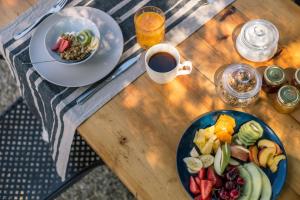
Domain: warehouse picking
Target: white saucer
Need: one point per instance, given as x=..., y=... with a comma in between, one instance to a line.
x=100, y=65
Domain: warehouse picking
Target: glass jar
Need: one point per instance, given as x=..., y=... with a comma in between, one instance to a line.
x=239, y=85
x=258, y=40
x=287, y=99
x=296, y=79
x=274, y=78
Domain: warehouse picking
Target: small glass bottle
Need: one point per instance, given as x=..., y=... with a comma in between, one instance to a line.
x=296, y=79
x=287, y=99
x=274, y=78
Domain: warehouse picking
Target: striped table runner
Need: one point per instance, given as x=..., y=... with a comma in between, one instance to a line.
x=55, y=105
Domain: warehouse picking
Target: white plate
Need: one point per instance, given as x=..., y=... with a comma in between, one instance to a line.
x=102, y=63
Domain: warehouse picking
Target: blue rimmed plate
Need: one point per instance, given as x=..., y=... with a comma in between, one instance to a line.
x=186, y=144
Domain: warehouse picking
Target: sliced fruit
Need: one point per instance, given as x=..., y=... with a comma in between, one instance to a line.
x=256, y=180
x=207, y=149
x=206, y=188
x=209, y=132
x=253, y=129
x=202, y=174
x=217, y=161
x=212, y=176
x=276, y=160
x=224, y=136
x=224, y=128
x=226, y=119
x=263, y=143
x=247, y=188
x=234, y=162
x=195, y=164
x=198, y=181
x=265, y=154
x=207, y=160
x=94, y=43
x=245, y=141
x=250, y=132
x=199, y=139
x=253, y=154
x=266, y=191
x=216, y=145
x=239, y=152
x=194, y=153
x=57, y=44
x=192, y=171
x=248, y=138
x=225, y=157
x=193, y=186
x=64, y=45
x=236, y=140
x=85, y=37
x=270, y=161
x=226, y=148
x=198, y=197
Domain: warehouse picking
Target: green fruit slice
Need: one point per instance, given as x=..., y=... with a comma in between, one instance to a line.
x=244, y=141
x=227, y=150
x=84, y=38
x=247, y=141
x=256, y=180
x=217, y=161
x=234, y=162
x=236, y=140
x=266, y=192
x=247, y=188
x=88, y=32
x=225, y=157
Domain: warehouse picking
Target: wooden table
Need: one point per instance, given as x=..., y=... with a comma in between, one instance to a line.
x=138, y=131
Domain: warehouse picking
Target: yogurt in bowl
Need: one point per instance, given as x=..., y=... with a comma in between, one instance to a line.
x=72, y=40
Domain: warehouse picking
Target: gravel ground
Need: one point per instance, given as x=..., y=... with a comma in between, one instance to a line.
x=99, y=184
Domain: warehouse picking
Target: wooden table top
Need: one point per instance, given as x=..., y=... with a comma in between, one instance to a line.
x=138, y=131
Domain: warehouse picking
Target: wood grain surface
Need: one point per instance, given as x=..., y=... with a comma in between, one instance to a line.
x=137, y=132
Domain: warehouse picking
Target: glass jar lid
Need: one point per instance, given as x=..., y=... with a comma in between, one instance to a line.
x=288, y=95
x=297, y=76
x=241, y=81
x=274, y=75
x=259, y=34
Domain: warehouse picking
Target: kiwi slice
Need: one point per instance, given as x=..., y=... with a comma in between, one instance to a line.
x=84, y=37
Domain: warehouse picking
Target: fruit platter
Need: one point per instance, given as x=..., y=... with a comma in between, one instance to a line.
x=231, y=155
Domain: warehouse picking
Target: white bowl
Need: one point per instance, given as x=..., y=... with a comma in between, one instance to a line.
x=69, y=24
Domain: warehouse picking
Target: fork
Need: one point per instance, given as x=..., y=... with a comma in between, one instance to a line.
x=55, y=8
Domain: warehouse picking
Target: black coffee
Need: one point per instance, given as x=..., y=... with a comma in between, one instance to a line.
x=162, y=62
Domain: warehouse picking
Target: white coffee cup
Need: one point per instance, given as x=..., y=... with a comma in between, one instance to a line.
x=184, y=68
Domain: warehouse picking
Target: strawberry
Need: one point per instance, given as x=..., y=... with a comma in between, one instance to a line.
x=200, y=198
x=212, y=176
x=64, y=45
x=56, y=46
x=206, y=188
x=202, y=174
x=193, y=186
x=208, y=198
x=198, y=181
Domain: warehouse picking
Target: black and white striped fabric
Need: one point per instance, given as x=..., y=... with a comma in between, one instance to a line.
x=55, y=105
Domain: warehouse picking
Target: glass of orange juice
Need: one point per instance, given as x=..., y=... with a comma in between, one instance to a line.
x=149, y=24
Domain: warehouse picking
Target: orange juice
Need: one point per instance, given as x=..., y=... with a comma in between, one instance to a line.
x=149, y=26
